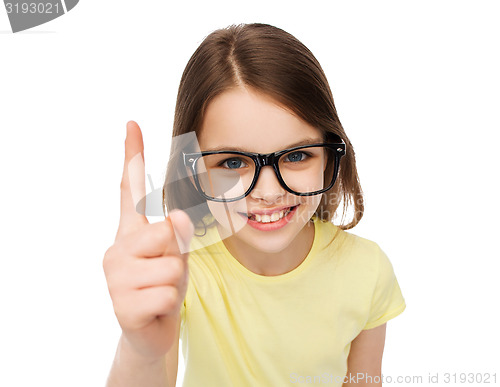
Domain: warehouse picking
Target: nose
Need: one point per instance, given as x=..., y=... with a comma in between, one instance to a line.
x=267, y=187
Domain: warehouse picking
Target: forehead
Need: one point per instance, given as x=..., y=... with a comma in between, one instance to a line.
x=243, y=118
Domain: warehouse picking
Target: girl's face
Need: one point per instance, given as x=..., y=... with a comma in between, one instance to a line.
x=242, y=119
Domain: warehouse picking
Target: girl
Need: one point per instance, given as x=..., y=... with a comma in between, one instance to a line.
x=277, y=294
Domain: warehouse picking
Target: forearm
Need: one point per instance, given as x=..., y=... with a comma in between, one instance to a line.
x=132, y=370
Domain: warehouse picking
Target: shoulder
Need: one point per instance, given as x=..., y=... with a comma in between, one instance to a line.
x=359, y=259
x=347, y=246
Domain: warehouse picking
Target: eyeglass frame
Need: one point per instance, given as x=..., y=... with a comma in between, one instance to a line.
x=261, y=160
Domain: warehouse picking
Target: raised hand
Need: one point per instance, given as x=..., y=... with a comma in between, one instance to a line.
x=145, y=270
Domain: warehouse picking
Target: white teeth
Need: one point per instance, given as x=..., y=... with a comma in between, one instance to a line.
x=275, y=216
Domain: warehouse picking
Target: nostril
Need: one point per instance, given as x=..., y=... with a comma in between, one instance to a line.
x=267, y=187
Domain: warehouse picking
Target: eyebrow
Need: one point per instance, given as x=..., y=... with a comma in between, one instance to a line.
x=307, y=141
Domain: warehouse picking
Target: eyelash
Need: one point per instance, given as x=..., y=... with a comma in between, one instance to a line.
x=306, y=154
x=221, y=164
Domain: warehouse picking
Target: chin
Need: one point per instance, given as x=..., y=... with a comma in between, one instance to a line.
x=262, y=246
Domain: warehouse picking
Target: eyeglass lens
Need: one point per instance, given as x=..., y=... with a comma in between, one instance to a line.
x=227, y=176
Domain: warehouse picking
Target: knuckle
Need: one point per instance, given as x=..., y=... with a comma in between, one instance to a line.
x=112, y=291
x=126, y=319
x=116, y=271
x=127, y=312
x=118, y=307
x=112, y=256
x=169, y=299
x=157, y=235
x=114, y=288
x=176, y=269
x=107, y=261
x=166, y=229
x=124, y=185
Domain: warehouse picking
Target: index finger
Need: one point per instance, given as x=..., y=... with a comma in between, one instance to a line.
x=132, y=186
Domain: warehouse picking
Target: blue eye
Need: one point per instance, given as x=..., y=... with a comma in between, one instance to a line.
x=296, y=156
x=233, y=163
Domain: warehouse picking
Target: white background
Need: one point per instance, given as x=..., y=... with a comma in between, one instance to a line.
x=416, y=85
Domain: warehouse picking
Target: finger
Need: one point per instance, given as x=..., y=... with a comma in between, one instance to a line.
x=183, y=229
x=161, y=300
x=151, y=240
x=132, y=186
x=143, y=273
x=172, y=236
x=147, y=304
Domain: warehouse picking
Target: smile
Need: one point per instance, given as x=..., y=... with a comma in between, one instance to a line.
x=274, y=220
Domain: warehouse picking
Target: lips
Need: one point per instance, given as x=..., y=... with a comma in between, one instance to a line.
x=264, y=213
x=273, y=222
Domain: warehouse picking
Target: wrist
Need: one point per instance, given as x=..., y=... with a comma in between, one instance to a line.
x=127, y=352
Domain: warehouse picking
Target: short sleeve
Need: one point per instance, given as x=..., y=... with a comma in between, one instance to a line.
x=183, y=314
x=183, y=309
x=387, y=301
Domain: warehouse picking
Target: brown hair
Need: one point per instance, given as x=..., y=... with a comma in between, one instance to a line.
x=273, y=62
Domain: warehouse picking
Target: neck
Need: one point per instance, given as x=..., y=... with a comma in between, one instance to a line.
x=272, y=263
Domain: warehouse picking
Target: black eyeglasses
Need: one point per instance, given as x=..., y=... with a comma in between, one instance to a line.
x=225, y=176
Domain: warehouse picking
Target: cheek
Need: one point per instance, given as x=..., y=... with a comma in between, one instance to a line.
x=225, y=214
x=309, y=205
x=311, y=202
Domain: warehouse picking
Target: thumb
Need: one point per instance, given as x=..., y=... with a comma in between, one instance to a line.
x=183, y=228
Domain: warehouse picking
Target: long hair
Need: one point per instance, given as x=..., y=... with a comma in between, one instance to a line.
x=273, y=62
